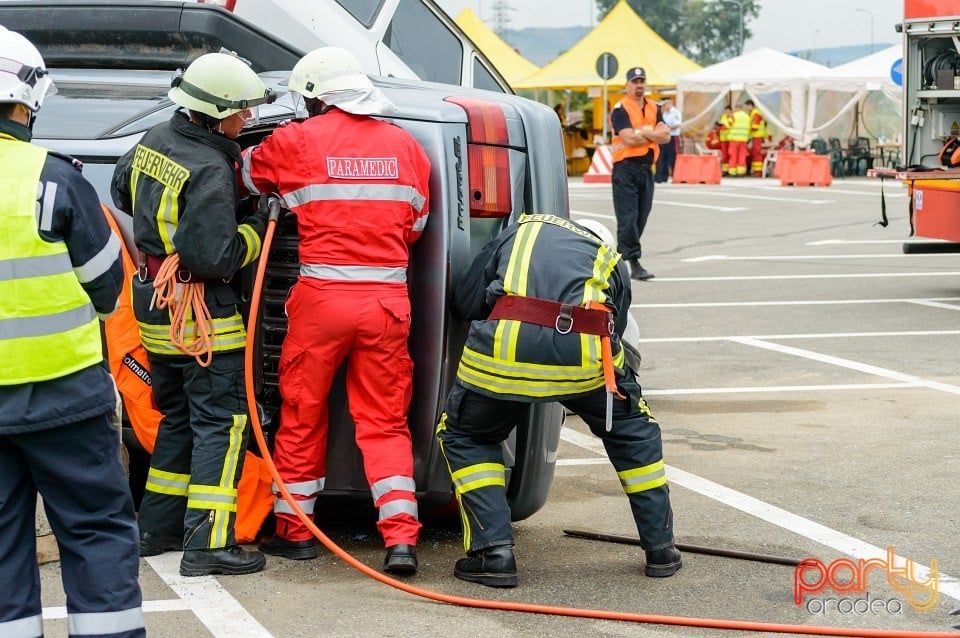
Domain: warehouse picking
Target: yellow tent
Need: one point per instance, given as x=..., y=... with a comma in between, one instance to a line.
x=624, y=34
x=511, y=65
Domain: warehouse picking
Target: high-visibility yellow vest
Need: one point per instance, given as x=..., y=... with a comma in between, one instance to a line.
x=48, y=326
x=758, y=124
x=740, y=129
x=726, y=121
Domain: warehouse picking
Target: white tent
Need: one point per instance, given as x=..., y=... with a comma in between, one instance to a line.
x=861, y=91
x=776, y=82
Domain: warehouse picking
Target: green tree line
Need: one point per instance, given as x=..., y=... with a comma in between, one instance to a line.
x=706, y=31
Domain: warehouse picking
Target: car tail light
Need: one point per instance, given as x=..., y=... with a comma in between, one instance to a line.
x=226, y=4
x=488, y=157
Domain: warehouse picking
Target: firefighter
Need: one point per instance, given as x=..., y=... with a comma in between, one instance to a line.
x=59, y=271
x=359, y=189
x=541, y=330
x=180, y=185
x=758, y=135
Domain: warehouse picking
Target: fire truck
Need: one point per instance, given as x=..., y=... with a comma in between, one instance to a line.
x=931, y=134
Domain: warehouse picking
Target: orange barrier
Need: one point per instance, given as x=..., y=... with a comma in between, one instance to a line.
x=696, y=169
x=601, y=168
x=784, y=154
x=804, y=169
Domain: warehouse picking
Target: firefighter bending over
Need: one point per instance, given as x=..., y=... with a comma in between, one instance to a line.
x=59, y=269
x=180, y=185
x=358, y=187
x=544, y=329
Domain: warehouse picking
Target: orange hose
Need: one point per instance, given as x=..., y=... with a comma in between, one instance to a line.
x=185, y=300
x=738, y=625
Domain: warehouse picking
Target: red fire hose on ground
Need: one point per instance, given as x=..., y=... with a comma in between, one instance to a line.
x=596, y=614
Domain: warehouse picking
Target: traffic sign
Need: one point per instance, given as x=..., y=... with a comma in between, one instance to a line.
x=896, y=72
x=607, y=65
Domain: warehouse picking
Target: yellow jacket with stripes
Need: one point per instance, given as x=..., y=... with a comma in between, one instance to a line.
x=547, y=257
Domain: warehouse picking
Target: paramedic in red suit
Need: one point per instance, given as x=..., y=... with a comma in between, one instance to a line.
x=358, y=187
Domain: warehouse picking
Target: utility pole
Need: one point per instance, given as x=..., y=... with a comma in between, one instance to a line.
x=869, y=13
x=501, y=16
x=739, y=4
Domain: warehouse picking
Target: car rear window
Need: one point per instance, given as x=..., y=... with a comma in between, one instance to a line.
x=96, y=109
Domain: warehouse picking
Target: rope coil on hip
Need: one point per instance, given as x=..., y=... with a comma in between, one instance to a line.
x=185, y=300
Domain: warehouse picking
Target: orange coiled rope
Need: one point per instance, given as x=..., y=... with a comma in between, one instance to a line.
x=185, y=300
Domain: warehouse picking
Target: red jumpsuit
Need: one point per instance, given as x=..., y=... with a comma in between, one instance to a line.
x=358, y=187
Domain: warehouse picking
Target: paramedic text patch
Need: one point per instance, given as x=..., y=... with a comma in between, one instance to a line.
x=362, y=167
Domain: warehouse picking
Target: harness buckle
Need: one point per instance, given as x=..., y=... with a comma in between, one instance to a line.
x=142, y=272
x=564, y=322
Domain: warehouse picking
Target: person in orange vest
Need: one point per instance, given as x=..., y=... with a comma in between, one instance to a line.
x=723, y=126
x=758, y=134
x=639, y=129
x=738, y=137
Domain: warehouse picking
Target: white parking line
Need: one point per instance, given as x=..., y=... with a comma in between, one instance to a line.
x=771, y=514
x=818, y=302
x=828, y=242
x=722, y=209
x=804, y=335
x=213, y=605
x=792, y=257
x=660, y=280
x=784, y=388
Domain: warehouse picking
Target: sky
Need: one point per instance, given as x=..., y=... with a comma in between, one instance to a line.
x=785, y=25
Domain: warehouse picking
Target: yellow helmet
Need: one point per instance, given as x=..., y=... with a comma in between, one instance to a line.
x=219, y=85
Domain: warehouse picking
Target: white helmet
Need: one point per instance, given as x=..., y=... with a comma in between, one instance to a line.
x=219, y=85
x=24, y=78
x=599, y=230
x=327, y=70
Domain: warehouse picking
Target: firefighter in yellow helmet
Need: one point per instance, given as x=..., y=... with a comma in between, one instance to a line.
x=60, y=273
x=180, y=185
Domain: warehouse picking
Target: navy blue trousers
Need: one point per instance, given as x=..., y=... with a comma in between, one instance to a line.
x=76, y=469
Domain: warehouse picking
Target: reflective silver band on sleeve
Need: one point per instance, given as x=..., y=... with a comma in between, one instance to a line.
x=101, y=262
x=245, y=175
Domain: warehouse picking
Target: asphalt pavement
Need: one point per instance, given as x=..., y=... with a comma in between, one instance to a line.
x=805, y=375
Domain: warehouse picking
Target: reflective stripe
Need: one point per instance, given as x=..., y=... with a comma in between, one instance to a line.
x=351, y=192
x=19, y=327
x=167, y=482
x=105, y=622
x=46, y=209
x=398, y=507
x=643, y=478
x=420, y=224
x=280, y=506
x=101, y=262
x=480, y=475
x=303, y=488
x=31, y=627
x=253, y=242
x=354, y=273
x=40, y=266
x=392, y=483
x=245, y=175
x=211, y=497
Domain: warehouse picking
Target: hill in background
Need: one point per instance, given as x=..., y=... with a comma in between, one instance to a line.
x=542, y=45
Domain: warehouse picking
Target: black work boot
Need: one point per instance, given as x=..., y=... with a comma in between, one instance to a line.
x=662, y=563
x=230, y=561
x=294, y=550
x=401, y=560
x=152, y=544
x=638, y=272
x=493, y=567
